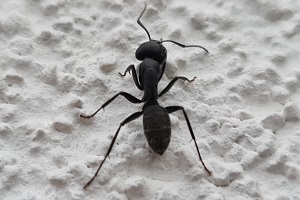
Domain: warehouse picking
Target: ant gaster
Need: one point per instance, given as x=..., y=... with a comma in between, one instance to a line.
x=156, y=120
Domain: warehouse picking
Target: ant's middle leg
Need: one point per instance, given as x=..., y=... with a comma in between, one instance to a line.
x=173, y=82
x=172, y=109
x=128, y=119
x=129, y=97
x=134, y=76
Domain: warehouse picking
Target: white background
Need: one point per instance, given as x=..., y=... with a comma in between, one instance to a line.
x=59, y=59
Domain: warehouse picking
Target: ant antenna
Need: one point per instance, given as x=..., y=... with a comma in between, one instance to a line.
x=140, y=23
x=184, y=46
x=181, y=45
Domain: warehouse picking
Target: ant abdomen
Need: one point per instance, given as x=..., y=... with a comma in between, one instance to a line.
x=152, y=49
x=157, y=128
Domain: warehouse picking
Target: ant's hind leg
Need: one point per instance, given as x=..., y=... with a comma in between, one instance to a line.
x=134, y=76
x=128, y=119
x=172, y=109
x=173, y=82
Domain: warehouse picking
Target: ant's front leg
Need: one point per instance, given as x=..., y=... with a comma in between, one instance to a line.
x=134, y=76
x=173, y=82
x=162, y=70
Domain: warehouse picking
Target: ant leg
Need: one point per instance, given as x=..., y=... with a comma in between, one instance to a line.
x=130, y=67
x=162, y=70
x=134, y=76
x=173, y=82
x=129, y=97
x=171, y=109
x=128, y=119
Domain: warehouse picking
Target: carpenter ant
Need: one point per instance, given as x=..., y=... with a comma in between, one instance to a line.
x=152, y=49
x=156, y=120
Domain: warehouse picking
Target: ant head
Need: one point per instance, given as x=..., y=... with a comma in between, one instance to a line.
x=152, y=49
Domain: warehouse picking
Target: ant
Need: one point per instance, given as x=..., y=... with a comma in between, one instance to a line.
x=156, y=120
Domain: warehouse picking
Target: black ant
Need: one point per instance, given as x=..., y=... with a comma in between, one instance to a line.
x=156, y=120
